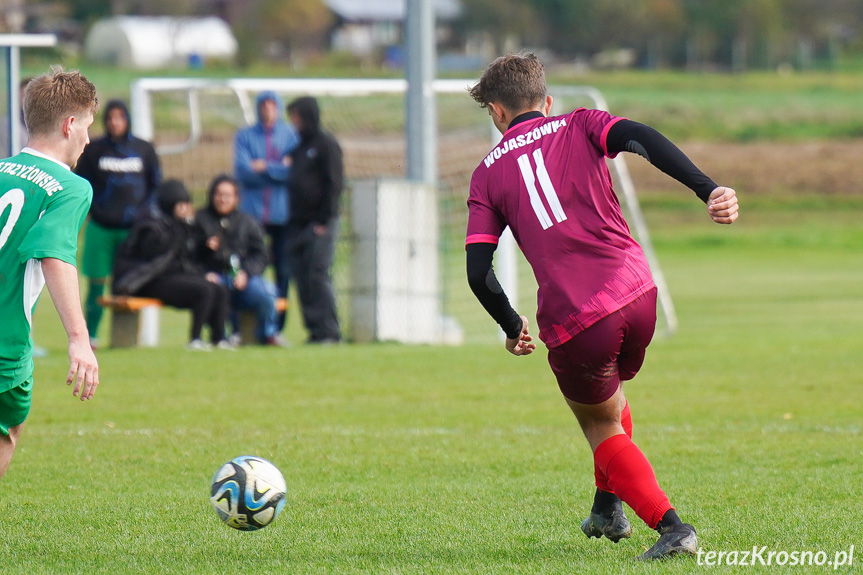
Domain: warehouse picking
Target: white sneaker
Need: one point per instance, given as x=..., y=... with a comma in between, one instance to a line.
x=198, y=345
x=225, y=345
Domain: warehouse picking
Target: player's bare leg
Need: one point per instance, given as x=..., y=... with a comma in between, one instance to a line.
x=7, y=446
x=607, y=517
x=630, y=476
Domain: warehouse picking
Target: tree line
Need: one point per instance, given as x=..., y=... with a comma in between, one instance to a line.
x=725, y=34
x=731, y=34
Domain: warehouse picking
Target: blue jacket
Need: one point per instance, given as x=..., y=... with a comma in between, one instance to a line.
x=265, y=195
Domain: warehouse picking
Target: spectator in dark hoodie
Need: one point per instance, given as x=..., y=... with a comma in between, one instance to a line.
x=261, y=166
x=159, y=259
x=124, y=172
x=234, y=253
x=316, y=182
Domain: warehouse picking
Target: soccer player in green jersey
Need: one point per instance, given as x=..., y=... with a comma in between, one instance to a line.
x=42, y=207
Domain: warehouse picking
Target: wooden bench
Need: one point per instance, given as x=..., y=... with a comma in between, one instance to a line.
x=135, y=320
x=247, y=323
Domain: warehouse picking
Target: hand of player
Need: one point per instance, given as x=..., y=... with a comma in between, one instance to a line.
x=722, y=205
x=213, y=243
x=83, y=369
x=259, y=166
x=522, y=344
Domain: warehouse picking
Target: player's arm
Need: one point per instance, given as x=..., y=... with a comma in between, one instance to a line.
x=486, y=288
x=62, y=281
x=629, y=136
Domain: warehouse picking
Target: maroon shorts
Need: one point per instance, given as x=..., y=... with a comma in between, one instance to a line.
x=590, y=366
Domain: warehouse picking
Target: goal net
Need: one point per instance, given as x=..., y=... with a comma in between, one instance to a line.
x=192, y=123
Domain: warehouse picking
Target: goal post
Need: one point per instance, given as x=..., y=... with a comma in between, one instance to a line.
x=11, y=136
x=192, y=121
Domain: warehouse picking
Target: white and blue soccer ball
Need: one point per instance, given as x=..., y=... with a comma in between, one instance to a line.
x=248, y=493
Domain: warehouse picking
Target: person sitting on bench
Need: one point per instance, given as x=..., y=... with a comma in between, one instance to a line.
x=234, y=252
x=159, y=260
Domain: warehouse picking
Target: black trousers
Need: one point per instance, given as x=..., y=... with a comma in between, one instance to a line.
x=281, y=265
x=207, y=301
x=311, y=258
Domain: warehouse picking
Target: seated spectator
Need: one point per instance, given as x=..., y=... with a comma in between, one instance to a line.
x=234, y=253
x=159, y=260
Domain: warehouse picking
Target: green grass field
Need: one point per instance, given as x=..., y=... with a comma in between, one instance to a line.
x=465, y=460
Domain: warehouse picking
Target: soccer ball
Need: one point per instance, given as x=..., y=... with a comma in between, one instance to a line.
x=248, y=493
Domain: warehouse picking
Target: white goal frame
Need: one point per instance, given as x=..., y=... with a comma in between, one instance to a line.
x=10, y=46
x=245, y=90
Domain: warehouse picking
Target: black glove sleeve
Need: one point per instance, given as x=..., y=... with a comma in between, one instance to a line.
x=484, y=284
x=629, y=136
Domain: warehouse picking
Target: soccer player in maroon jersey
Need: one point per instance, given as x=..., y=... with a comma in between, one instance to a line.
x=548, y=181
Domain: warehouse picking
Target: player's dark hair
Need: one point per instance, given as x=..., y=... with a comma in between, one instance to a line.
x=51, y=98
x=515, y=81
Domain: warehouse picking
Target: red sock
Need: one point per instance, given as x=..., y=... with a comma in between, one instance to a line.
x=631, y=477
x=601, y=479
x=626, y=422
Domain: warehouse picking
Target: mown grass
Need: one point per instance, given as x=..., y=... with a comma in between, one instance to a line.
x=403, y=459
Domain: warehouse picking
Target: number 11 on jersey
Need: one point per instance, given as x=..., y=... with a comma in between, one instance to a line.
x=530, y=179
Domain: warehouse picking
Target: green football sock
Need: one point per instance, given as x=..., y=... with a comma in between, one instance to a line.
x=92, y=307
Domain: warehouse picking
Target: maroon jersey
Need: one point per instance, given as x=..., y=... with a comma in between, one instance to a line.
x=548, y=181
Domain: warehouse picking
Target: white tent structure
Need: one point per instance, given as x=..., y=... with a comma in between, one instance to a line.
x=154, y=42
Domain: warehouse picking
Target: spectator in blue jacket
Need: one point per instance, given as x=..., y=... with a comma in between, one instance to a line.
x=261, y=165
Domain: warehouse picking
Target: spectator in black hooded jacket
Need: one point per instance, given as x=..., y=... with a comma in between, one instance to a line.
x=160, y=259
x=316, y=181
x=124, y=172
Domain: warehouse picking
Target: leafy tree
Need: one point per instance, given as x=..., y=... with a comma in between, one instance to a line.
x=88, y=11
x=501, y=20
x=569, y=26
x=664, y=26
x=300, y=25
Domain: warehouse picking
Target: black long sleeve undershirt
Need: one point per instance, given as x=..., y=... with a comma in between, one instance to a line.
x=629, y=136
x=484, y=284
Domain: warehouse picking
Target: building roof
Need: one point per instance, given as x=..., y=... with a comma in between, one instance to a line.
x=387, y=10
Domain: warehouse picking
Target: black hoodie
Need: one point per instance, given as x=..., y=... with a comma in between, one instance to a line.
x=317, y=173
x=124, y=173
x=158, y=244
